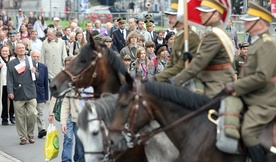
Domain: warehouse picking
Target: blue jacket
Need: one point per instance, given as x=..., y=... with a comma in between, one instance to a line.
x=42, y=83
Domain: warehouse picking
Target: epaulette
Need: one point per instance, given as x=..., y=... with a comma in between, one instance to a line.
x=179, y=32
x=208, y=29
x=266, y=37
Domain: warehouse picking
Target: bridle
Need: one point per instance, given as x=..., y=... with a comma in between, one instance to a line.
x=78, y=77
x=131, y=137
x=106, y=149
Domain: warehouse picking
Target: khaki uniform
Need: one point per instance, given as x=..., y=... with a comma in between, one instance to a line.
x=239, y=62
x=256, y=87
x=210, y=52
x=176, y=63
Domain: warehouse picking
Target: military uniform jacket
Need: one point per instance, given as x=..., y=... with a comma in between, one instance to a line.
x=210, y=52
x=176, y=63
x=255, y=86
x=239, y=62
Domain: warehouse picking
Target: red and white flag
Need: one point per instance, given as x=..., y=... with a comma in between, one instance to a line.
x=20, y=68
x=194, y=15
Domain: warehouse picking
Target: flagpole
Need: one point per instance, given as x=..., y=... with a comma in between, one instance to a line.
x=186, y=31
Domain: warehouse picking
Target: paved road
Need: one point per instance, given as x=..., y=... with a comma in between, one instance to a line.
x=11, y=151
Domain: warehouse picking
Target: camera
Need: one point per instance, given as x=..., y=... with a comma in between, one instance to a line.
x=133, y=64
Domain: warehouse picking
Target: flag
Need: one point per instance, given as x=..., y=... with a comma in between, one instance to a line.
x=20, y=68
x=194, y=15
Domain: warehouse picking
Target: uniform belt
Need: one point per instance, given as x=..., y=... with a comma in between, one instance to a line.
x=218, y=67
x=272, y=79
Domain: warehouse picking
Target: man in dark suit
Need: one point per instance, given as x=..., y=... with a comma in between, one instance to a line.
x=150, y=28
x=22, y=89
x=119, y=36
x=5, y=18
x=42, y=92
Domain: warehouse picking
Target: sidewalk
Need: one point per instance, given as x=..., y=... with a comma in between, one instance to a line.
x=7, y=158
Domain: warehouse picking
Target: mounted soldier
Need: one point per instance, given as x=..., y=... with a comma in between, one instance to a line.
x=257, y=85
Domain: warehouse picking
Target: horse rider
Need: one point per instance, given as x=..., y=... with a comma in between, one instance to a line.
x=176, y=63
x=241, y=58
x=212, y=63
x=257, y=85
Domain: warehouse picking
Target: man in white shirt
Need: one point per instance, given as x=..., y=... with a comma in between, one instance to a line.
x=36, y=43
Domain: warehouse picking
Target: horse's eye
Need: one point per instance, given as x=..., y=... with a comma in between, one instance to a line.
x=94, y=133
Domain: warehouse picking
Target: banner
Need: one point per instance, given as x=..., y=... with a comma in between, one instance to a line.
x=194, y=15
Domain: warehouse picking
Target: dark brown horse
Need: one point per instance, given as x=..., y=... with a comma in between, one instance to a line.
x=95, y=66
x=139, y=103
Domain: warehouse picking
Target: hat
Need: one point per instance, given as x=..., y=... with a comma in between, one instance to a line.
x=12, y=33
x=149, y=23
x=56, y=19
x=98, y=37
x=211, y=6
x=256, y=12
x=106, y=39
x=173, y=8
x=148, y=16
x=122, y=20
x=158, y=46
x=169, y=35
x=19, y=10
x=127, y=57
x=243, y=44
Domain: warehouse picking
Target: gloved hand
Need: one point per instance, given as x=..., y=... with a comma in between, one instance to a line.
x=229, y=88
x=170, y=81
x=187, y=56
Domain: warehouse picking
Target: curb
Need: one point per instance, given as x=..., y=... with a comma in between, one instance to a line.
x=7, y=158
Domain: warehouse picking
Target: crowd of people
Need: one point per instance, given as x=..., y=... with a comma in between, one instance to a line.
x=33, y=53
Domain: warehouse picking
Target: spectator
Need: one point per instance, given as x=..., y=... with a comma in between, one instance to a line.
x=36, y=43
x=127, y=62
x=141, y=41
x=7, y=104
x=108, y=25
x=170, y=41
x=98, y=26
x=53, y=53
x=3, y=40
x=32, y=19
x=78, y=43
x=108, y=42
x=66, y=38
x=161, y=60
x=142, y=31
x=40, y=25
x=24, y=32
x=56, y=22
x=27, y=44
x=5, y=29
x=141, y=64
x=5, y=18
x=232, y=33
x=73, y=26
x=150, y=46
x=11, y=25
x=131, y=46
x=88, y=30
x=131, y=22
x=21, y=88
x=119, y=36
x=150, y=29
x=12, y=41
x=19, y=19
x=42, y=92
x=160, y=37
x=115, y=26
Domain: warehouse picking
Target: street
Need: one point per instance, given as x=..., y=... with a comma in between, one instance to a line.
x=30, y=152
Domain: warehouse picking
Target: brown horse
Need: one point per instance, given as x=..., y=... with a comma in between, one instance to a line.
x=95, y=66
x=139, y=103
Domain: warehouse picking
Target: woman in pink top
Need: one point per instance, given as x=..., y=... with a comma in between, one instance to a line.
x=24, y=31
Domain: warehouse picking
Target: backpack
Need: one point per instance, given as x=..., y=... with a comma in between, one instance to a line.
x=57, y=108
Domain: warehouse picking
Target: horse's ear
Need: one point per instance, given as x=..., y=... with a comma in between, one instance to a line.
x=92, y=42
x=129, y=79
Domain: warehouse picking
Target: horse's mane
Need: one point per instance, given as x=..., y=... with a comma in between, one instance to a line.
x=177, y=95
x=105, y=107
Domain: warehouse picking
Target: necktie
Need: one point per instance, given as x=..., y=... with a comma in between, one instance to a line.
x=123, y=34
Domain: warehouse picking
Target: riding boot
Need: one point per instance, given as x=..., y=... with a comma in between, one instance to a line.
x=257, y=153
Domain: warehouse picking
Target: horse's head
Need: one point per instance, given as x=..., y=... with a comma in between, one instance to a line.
x=84, y=70
x=93, y=134
x=131, y=114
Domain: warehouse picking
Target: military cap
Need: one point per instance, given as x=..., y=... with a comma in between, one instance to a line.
x=211, y=6
x=127, y=58
x=256, y=12
x=98, y=37
x=173, y=8
x=148, y=16
x=12, y=33
x=243, y=44
x=106, y=39
x=149, y=23
x=121, y=20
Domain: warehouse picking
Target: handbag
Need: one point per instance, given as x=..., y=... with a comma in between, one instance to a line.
x=57, y=108
x=51, y=145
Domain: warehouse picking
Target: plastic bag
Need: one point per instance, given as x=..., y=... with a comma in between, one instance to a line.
x=51, y=145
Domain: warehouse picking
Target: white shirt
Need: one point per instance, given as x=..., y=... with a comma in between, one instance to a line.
x=36, y=45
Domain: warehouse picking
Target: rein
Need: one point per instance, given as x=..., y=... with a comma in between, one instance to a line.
x=78, y=77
